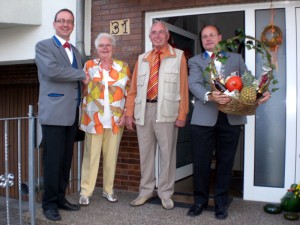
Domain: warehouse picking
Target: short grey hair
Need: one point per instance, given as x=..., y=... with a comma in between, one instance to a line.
x=160, y=22
x=105, y=35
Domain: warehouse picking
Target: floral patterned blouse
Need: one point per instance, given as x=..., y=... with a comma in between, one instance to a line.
x=94, y=92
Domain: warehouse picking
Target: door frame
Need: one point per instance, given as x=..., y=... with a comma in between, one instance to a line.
x=186, y=170
x=297, y=156
x=252, y=192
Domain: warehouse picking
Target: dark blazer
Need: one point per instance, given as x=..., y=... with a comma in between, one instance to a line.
x=58, y=83
x=206, y=113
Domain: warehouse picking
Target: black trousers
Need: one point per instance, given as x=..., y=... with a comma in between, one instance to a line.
x=58, y=144
x=223, y=139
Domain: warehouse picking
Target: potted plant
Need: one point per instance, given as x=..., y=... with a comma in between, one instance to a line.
x=291, y=200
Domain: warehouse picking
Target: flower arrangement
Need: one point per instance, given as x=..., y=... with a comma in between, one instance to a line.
x=245, y=91
x=296, y=190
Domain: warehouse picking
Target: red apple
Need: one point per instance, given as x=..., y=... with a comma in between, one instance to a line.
x=234, y=83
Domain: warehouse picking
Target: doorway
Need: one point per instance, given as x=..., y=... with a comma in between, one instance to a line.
x=187, y=42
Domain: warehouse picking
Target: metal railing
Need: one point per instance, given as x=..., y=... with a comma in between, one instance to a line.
x=7, y=179
x=31, y=183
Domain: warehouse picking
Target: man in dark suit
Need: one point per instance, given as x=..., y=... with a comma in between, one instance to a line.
x=60, y=73
x=213, y=130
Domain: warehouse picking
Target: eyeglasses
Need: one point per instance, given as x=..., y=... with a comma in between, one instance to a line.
x=211, y=35
x=159, y=32
x=104, y=45
x=62, y=21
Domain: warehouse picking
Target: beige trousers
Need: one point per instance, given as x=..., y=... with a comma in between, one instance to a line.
x=109, y=143
x=149, y=135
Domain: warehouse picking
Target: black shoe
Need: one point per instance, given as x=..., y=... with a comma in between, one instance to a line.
x=52, y=214
x=221, y=212
x=68, y=206
x=196, y=209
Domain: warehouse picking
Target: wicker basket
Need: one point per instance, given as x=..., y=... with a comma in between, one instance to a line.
x=237, y=107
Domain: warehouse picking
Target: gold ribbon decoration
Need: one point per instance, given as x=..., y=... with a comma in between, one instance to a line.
x=272, y=37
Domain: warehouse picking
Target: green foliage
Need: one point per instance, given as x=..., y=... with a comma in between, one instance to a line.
x=247, y=78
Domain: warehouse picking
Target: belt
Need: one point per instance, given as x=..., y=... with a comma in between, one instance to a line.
x=151, y=100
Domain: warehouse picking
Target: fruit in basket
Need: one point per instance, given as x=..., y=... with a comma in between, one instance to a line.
x=219, y=86
x=248, y=92
x=262, y=86
x=234, y=83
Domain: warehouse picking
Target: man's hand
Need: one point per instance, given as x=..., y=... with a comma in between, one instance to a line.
x=121, y=121
x=219, y=97
x=129, y=122
x=266, y=96
x=87, y=78
x=179, y=123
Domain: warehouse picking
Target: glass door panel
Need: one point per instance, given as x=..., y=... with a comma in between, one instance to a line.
x=270, y=120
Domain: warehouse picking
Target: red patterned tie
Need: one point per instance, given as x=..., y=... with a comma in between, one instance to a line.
x=67, y=45
x=153, y=79
x=212, y=56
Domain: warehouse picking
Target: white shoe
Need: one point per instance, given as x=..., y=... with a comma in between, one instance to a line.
x=84, y=200
x=140, y=200
x=167, y=203
x=111, y=198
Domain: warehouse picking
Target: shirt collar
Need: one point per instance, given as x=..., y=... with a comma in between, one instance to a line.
x=163, y=50
x=62, y=41
x=166, y=51
x=208, y=54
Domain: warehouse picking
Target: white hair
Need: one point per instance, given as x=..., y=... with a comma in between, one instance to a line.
x=105, y=35
x=159, y=22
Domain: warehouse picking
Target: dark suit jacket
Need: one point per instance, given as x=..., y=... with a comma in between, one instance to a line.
x=58, y=83
x=206, y=113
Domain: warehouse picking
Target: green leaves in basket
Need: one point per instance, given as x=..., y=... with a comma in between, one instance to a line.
x=274, y=82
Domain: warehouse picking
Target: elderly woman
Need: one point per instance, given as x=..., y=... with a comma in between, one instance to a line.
x=102, y=117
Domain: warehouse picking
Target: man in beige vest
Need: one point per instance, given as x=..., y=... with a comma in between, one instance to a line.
x=157, y=103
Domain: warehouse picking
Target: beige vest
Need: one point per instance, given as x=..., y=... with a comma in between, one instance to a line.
x=168, y=87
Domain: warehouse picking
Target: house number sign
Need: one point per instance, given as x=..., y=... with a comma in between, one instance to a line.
x=120, y=27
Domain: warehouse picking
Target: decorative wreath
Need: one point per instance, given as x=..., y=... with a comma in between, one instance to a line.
x=271, y=36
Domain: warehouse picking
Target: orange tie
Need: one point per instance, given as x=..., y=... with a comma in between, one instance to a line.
x=153, y=79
